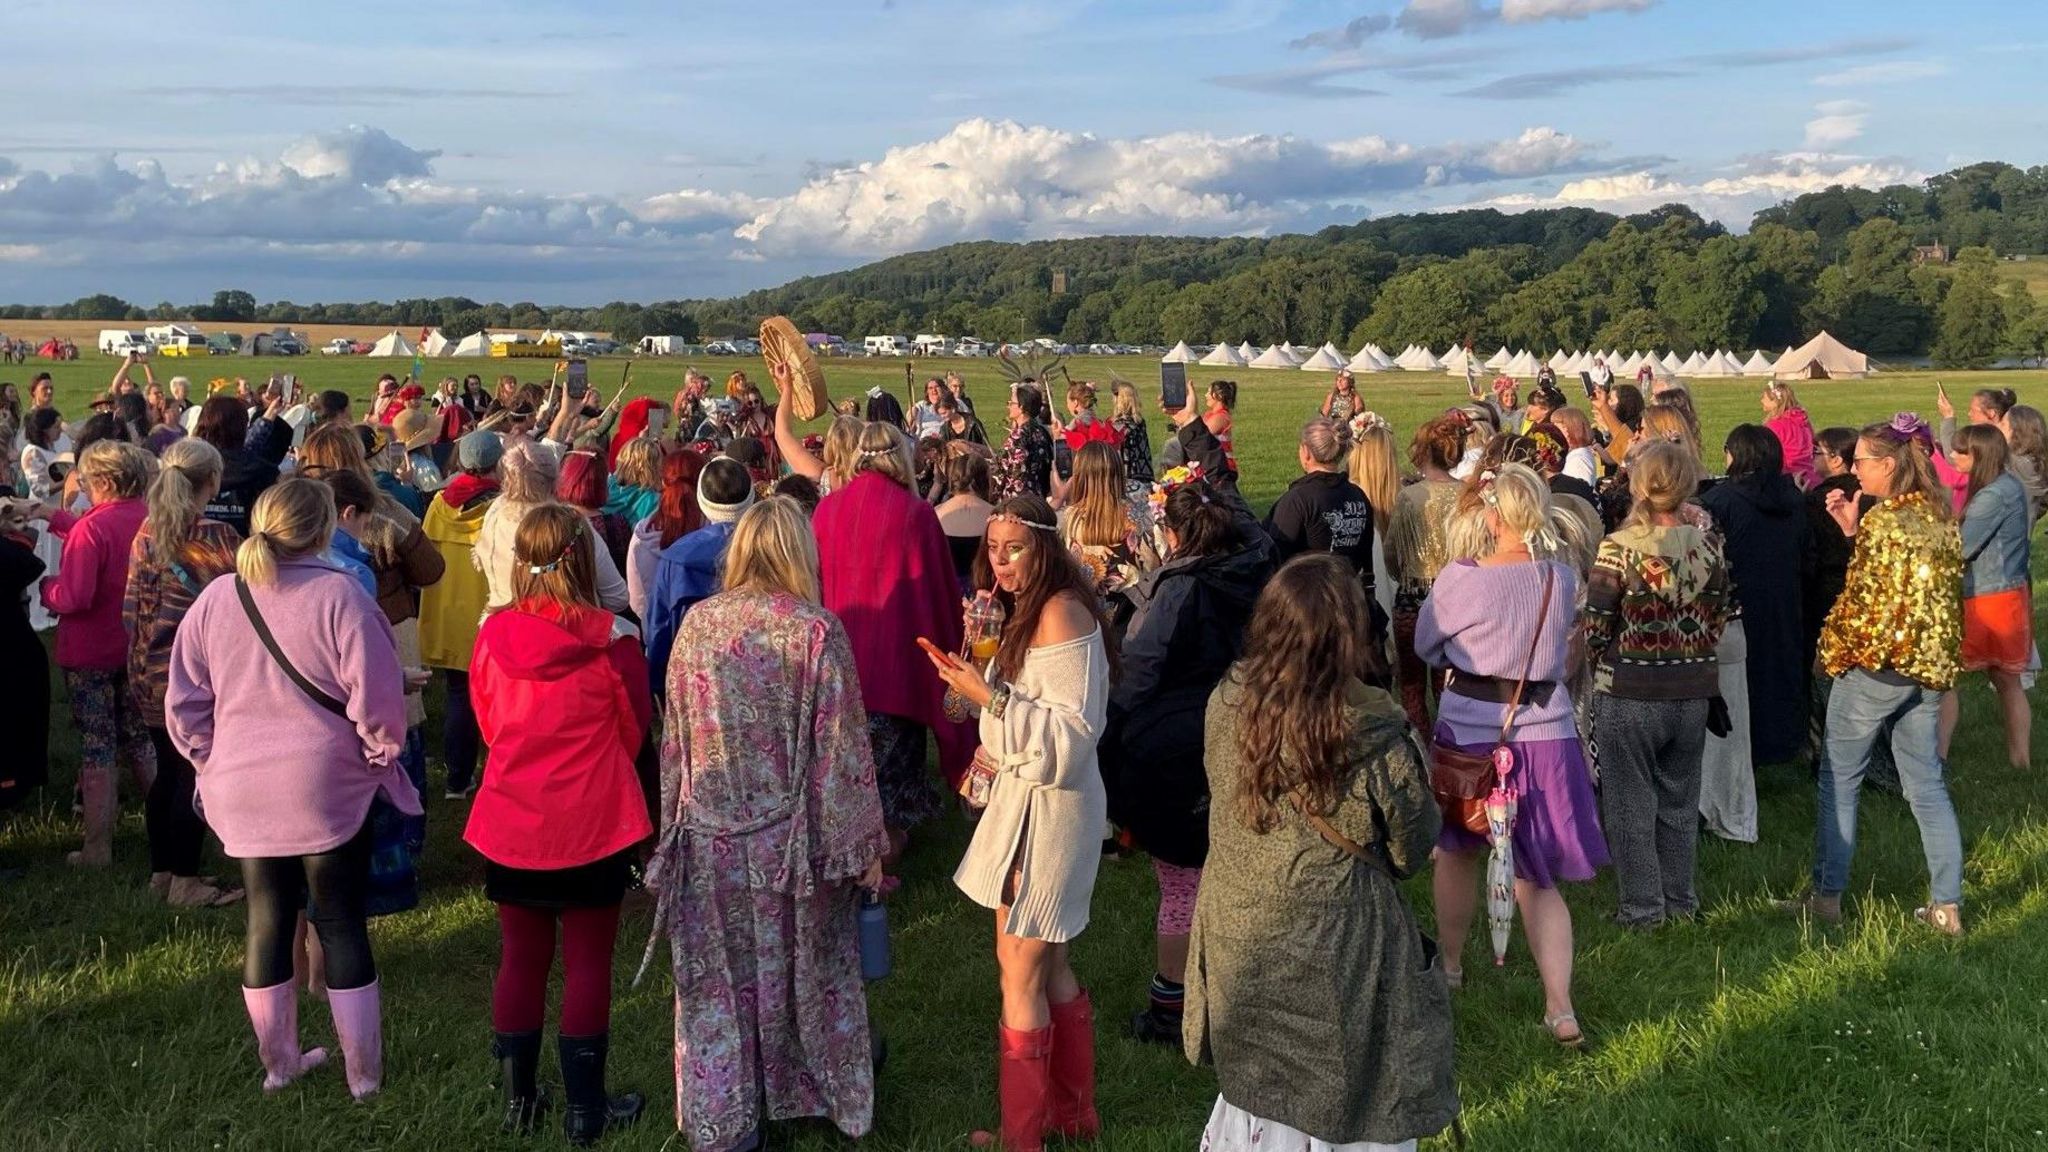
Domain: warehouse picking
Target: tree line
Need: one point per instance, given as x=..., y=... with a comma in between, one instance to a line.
x=1844, y=259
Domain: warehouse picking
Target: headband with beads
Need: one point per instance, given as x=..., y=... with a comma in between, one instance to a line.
x=1013, y=518
x=542, y=569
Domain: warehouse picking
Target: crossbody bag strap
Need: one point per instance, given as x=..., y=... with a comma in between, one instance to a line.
x=1336, y=839
x=276, y=653
x=1507, y=723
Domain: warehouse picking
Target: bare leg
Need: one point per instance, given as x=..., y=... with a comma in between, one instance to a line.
x=1173, y=958
x=1456, y=883
x=1028, y=971
x=2019, y=718
x=1547, y=922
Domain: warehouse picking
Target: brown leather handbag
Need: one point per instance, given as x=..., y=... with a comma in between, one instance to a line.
x=1462, y=779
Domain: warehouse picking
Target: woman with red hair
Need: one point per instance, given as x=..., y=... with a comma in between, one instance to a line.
x=674, y=516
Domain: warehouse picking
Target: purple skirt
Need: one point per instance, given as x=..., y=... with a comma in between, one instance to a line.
x=1557, y=823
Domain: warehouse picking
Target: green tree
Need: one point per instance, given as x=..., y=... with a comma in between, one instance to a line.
x=1196, y=315
x=1787, y=264
x=668, y=319
x=1971, y=322
x=2022, y=316
x=233, y=304
x=1871, y=299
x=1636, y=328
x=467, y=322
x=1136, y=320
x=999, y=325
x=1712, y=298
x=1089, y=321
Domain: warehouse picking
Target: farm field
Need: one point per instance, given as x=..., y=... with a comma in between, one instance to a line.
x=1745, y=1030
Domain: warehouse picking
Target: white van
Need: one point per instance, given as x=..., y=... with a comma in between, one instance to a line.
x=122, y=341
x=931, y=344
x=886, y=346
x=164, y=335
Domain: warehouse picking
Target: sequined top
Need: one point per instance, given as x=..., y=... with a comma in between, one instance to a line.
x=1418, y=546
x=1901, y=608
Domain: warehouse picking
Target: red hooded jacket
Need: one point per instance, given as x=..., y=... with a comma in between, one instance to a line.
x=562, y=701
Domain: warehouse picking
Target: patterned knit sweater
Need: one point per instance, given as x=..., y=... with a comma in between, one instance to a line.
x=1656, y=603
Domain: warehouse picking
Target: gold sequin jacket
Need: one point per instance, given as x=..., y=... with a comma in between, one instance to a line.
x=1901, y=608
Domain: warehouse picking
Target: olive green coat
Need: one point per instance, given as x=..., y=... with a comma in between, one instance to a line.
x=1309, y=986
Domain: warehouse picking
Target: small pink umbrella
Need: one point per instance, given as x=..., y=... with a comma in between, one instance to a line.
x=1501, y=804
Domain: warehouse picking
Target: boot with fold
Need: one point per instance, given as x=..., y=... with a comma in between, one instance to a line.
x=1072, y=1114
x=274, y=1013
x=1024, y=1082
x=518, y=1056
x=590, y=1111
x=359, y=1023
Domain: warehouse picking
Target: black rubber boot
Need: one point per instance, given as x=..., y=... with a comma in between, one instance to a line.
x=518, y=1056
x=589, y=1110
x=1152, y=1026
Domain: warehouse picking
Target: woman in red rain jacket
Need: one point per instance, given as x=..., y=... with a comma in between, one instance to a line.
x=560, y=690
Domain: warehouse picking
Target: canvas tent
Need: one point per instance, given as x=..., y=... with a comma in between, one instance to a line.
x=437, y=344
x=1365, y=361
x=1822, y=358
x=1325, y=359
x=1223, y=356
x=394, y=344
x=1500, y=359
x=1522, y=364
x=1671, y=364
x=1758, y=364
x=1422, y=360
x=474, y=344
x=1246, y=352
x=1272, y=357
x=1181, y=354
x=1693, y=363
x=1455, y=360
x=1717, y=364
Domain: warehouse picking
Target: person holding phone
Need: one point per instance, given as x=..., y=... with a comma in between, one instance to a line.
x=1035, y=851
x=771, y=823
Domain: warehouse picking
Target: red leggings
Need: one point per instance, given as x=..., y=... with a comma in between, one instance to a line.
x=527, y=935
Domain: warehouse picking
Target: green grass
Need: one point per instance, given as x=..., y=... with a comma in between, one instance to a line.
x=121, y=1026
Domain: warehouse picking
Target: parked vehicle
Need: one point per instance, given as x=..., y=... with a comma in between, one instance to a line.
x=122, y=341
x=339, y=346
x=886, y=346
x=969, y=346
x=285, y=342
x=224, y=343
x=721, y=348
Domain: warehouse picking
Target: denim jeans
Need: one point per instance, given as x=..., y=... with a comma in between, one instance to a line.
x=1858, y=709
x=459, y=735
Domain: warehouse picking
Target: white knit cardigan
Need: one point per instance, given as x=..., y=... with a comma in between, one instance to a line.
x=1047, y=813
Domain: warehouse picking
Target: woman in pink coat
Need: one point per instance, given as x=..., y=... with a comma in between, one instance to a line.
x=1787, y=421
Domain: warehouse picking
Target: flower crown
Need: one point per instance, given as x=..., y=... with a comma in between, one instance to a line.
x=1178, y=476
x=1906, y=426
x=1367, y=420
x=1013, y=518
x=542, y=569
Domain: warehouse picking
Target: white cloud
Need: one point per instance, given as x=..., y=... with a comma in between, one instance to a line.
x=1837, y=122
x=1885, y=72
x=1529, y=11
x=1434, y=19
x=1002, y=180
x=1732, y=200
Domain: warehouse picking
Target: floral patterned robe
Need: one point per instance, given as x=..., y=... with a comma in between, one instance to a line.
x=769, y=813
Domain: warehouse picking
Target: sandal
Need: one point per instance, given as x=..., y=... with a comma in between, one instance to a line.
x=1574, y=1041
x=201, y=893
x=1946, y=919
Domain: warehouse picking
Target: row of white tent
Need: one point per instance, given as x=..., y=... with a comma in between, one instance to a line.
x=394, y=343
x=1417, y=358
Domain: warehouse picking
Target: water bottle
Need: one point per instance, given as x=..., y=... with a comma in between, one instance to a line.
x=874, y=938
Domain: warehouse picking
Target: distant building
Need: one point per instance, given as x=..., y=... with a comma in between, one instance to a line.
x=1931, y=254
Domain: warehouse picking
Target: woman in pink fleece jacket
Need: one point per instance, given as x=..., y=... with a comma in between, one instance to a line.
x=92, y=646
x=1787, y=421
x=287, y=768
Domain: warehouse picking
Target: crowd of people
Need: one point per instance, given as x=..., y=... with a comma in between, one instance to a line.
x=684, y=647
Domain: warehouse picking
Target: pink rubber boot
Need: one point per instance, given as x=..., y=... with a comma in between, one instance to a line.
x=274, y=1013
x=359, y=1023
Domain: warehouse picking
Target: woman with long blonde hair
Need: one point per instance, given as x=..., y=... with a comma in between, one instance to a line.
x=1107, y=526
x=1418, y=546
x=886, y=573
x=1486, y=622
x=285, y=694
x=776, y=754
x=176, y=554
x=1128, y=418
x=1375, y=468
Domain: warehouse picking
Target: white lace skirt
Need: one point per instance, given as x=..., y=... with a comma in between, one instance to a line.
x=1232, y=1129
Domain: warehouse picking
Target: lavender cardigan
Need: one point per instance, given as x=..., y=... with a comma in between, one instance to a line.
x=278, y=774
x=1481, y=620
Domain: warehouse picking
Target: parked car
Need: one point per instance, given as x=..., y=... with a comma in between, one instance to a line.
x=122, y=341
x=721, y=348
x=224, y=343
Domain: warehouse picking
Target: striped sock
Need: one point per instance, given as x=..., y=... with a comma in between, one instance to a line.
x=1167, y=996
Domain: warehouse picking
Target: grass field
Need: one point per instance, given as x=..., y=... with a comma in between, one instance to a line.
x=121, y=1027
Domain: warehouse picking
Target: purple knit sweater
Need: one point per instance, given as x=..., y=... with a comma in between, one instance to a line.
x=278, y=774
x=1480, y=620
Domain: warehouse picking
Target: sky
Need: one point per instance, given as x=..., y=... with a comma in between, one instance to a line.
x=575, y=154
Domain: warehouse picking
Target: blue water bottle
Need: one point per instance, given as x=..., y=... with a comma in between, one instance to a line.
x=874, y=938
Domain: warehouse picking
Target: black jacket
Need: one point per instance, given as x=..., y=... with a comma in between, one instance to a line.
x=1770, y=557
x=244, y=476
x=1188, y=630
x=1325, y=512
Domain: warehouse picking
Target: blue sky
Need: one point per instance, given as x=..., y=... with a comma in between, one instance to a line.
x=532, y=150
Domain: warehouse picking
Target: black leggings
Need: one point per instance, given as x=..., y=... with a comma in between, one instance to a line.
x=176, y=832
x=339, y=882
